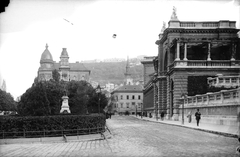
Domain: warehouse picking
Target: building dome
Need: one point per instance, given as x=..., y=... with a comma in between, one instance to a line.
x=64, y=53
x=46, y=56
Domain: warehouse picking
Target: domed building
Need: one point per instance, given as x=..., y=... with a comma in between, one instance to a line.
x=68, y=71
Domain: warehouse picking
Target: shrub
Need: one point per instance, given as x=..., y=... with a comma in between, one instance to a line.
x=50, y=123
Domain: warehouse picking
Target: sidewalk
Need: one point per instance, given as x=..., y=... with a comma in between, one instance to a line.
x=229, y=131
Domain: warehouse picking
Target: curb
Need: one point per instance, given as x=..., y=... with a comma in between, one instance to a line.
x=107, y=134
x=200, y=129
x=64, y=139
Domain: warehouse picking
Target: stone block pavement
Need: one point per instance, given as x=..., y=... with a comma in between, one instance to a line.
x=225, y=130
x=129, y=136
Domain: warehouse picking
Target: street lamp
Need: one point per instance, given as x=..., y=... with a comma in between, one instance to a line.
x=136, y=110
x=98, y=90
x=183, y=97
x=87, y=103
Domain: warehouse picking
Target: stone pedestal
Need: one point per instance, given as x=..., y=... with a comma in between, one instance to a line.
x=65, y=107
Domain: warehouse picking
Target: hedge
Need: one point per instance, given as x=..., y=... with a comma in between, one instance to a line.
x=50, y=123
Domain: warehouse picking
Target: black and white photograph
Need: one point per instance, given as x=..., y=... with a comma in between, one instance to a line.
x=120, y=78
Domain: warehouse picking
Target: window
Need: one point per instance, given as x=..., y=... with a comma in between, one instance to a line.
x=127, y=96
x=227, y=80
x=127, y=105
x=234, y=80
x=133, y=103
x=220, y=80
x=121, y=97
x=133, y=97
x=121, y=105
x=116, y=98
x=139, y=97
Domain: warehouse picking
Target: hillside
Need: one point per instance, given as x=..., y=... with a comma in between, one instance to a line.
x=112, y=72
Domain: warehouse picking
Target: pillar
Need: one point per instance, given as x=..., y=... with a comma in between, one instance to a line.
x=209, y=52
x=154, y=98
x=185, y=51
x=233, y=51
x=178, y=52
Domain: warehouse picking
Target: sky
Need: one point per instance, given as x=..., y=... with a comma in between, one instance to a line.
x=85, y=28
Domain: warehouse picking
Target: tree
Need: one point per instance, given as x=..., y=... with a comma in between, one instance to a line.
x=79, y=93
x=7, y=102
x=34, y=101
x=54, y=91
x=94, y=100
x=55, y=75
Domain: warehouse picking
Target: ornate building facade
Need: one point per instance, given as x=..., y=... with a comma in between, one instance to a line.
x=68, y=71
x=148, y=75
x=191, y=49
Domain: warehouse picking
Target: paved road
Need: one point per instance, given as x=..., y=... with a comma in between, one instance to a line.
x=133, y=137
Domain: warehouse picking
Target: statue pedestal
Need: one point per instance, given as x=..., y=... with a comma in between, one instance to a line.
x=65, y=107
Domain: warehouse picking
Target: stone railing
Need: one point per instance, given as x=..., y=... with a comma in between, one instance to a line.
x=204, y=63
x=225, y=81
x=203, y=25
x=222, y=98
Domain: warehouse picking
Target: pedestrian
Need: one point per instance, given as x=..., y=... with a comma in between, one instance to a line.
x=162, y=115
x=109, y=114
x=198, y=116
x=189, y=116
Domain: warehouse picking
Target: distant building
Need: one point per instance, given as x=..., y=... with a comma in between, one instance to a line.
x=114, y=60
x=109, y=87
x=68, y=71
x=91, y=61
x=128, y=97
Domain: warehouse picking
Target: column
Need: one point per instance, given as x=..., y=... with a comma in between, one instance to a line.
x=154, y=98
x=233, y=52
x=209, y=52
x=178, y=52
x=185, y=51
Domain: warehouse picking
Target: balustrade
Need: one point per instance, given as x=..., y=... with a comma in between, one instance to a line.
x=226, y=81
x=203, y=63
x=218, y=98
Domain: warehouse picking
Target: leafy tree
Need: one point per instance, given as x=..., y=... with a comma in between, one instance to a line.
x=7, y=102
x=45, y=98
x=79, y=92
x=54, y=91
x=34, y=101
x=55, y=75
x=94, y=102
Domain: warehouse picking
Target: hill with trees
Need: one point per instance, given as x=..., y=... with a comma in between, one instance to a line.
x=113, y=72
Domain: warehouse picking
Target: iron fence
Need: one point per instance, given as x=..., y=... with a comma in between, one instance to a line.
x=51, y=133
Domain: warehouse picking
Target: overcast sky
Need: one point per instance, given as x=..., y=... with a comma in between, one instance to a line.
x=26, y=26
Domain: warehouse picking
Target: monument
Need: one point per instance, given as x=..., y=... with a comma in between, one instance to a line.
x=65, y=106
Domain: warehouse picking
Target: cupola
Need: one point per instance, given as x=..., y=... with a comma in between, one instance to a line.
x=46, y=56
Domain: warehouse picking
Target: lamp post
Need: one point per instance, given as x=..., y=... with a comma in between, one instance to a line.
x=141, y=110
x=136, y=110
x=98, y=90
x=87, y=104
x=183, y=98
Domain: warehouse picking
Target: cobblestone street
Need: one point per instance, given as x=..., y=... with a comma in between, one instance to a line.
x=134, y=137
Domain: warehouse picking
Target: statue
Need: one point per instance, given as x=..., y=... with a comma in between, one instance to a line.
x=163, y=27
x=65, y=106
x=174, y=14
